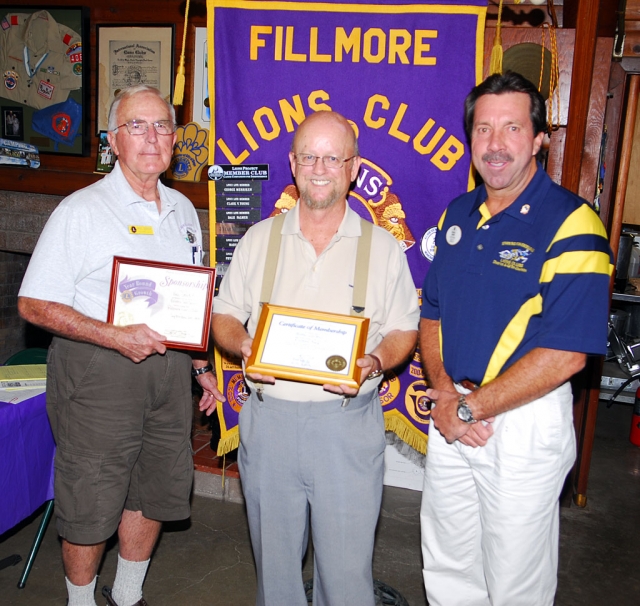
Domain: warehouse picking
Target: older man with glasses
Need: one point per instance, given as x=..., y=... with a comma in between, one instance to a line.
x=311, y=456
x=119, y=401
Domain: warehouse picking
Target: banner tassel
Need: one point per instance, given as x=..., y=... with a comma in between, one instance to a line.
x=178, y=92
x=495, y=65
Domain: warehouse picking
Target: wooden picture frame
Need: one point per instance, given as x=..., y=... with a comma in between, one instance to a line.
x=182, y=296
x=129, y=55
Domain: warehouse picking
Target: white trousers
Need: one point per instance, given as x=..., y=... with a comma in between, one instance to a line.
x=490, y=515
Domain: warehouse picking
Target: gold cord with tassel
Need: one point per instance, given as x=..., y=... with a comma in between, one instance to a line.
x=178, y=93
x=495, y=65
x=554, y=75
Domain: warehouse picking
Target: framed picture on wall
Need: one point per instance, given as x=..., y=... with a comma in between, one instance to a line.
x=12, y=123
x=129, y=55
x=48, y=83
x=106, y=159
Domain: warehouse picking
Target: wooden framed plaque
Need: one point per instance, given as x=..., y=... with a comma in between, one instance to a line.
x=308, y=346
x=174, y=300
x=130, y=55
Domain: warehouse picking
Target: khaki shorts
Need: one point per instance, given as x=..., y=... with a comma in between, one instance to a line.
x=123, y=437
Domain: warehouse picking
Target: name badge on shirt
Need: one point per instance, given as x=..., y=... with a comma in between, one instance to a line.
x=141, y=230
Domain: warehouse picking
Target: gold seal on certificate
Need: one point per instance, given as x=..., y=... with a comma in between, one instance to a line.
x=174, y=300
x=336, y=363
x=308, y=346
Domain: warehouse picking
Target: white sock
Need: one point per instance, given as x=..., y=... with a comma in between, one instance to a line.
x=127, y=588
x=81, y=595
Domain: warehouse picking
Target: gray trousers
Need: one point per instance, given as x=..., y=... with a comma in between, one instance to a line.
x=314, y=462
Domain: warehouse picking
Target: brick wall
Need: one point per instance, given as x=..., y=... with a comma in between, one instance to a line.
x=22, y=217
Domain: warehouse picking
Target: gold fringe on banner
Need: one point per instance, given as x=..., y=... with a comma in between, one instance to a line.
x=400, y=426
x=178, y=92
x=229, y=443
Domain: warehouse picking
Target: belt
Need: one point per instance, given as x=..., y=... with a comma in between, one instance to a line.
x=470, y=385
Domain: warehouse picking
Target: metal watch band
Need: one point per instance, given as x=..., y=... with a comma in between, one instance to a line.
x=376, y=373
x=200, y=371
x=464, y=412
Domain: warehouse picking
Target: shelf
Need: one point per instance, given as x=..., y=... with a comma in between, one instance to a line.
x=625, y=397
x=629, y=298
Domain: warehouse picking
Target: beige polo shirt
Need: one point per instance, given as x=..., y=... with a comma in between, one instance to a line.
x=40, y=59
x=322, y=283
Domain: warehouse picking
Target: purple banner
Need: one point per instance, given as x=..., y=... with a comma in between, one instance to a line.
x=399, y=72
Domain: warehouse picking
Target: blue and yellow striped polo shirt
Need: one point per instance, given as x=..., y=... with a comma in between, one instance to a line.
x=534, y=275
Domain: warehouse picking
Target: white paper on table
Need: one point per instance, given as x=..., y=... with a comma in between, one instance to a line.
x=15, y=396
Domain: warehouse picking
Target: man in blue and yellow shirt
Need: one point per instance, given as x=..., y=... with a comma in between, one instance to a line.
x=516, y=298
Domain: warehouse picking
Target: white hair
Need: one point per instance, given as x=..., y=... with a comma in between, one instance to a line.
x=125, y=93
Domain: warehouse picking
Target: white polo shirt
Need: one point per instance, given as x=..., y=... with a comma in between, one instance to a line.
x=322, y=283
x=72, y=261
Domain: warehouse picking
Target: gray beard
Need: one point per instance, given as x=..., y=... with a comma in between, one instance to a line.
x=314, y=205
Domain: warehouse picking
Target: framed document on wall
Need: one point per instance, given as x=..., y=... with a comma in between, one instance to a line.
x=130, y=55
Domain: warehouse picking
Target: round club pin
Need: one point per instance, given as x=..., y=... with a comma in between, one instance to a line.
x=454, y=235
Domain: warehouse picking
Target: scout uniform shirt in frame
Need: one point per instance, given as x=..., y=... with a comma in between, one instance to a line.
x=40, y=59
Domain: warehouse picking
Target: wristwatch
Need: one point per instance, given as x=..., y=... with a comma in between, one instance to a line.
x=374, y=374
x=464, y=412
x=200, y=371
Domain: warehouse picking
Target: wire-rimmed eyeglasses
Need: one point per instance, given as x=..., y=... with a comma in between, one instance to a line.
x=328, y=161
x=140, y=127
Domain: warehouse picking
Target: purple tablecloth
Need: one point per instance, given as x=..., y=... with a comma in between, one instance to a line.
x=26, y=460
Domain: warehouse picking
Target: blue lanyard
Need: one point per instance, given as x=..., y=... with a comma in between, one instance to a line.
x=27, y=67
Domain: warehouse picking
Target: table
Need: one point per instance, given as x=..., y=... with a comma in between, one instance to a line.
x=26, y=460
x=26, y=468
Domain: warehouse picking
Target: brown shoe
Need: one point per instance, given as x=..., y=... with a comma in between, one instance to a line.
x=106, y=592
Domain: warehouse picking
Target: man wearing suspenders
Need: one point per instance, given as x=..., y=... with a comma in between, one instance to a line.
x=312, y=455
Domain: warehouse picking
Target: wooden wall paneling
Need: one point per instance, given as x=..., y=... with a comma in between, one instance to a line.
x=518, y=14
x=613, y=120
x=632, y=10
x=62, y=175
x=632, y=41
x=556, y=151
x=595, y=119
x=626, y=149
x=585, y=45
x=631, y=211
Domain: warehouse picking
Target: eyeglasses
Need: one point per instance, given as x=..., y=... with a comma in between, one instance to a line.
x=328, y=161
x=140, y=127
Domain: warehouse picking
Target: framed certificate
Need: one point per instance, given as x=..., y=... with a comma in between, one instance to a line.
x=129, y=55
x=308, y=346
x=174, y=300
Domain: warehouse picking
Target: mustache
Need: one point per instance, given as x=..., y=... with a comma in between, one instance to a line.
x=500, y=156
